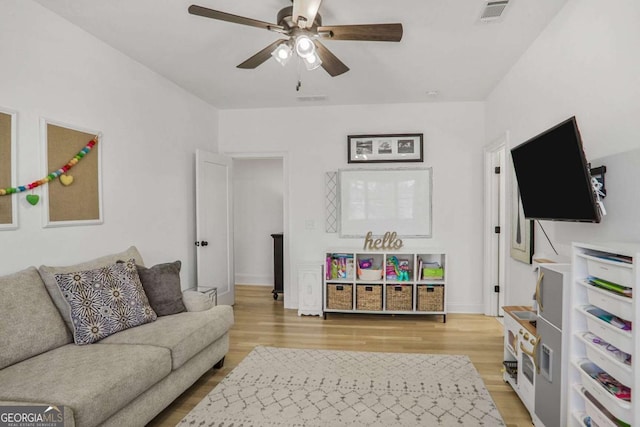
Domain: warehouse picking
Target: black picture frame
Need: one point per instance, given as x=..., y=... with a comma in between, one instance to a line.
x=385, y=148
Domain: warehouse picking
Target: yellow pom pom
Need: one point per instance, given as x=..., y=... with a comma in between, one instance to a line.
x=3, y=191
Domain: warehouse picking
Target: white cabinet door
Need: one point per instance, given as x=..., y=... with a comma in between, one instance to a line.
x=214, y=224
x=310, y=289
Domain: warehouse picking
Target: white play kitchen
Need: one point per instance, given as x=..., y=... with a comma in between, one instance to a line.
x=536, y=343
x=570, y=361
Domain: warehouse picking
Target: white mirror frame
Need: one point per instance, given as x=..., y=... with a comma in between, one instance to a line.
x=14, y=166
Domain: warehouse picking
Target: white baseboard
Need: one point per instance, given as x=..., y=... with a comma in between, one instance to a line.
x=253, y=279
x=465, y=308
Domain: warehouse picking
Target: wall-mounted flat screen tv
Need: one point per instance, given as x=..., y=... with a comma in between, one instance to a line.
x=553, y=176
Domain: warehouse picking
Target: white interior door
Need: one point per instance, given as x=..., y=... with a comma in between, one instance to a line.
x=495, y=227
x=214, y=224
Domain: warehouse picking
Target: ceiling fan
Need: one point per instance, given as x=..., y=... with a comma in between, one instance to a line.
x=303, y=27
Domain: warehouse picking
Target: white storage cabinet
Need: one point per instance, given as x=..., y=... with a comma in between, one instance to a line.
x=603, y=331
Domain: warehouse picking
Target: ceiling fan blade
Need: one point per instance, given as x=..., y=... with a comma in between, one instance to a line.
x=261, y=56
x=308, y=9
x=223, y=16
x=330, y=62
x=367, y=32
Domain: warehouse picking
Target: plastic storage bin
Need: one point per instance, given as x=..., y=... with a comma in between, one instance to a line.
x=614, y=304
x=611, y=271
x=618, y=408
x=605, y=359
x=614, y=336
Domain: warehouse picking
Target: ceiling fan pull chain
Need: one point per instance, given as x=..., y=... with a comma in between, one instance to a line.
x=299, y=85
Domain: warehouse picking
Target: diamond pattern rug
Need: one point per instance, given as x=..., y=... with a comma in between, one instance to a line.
x=294, y=387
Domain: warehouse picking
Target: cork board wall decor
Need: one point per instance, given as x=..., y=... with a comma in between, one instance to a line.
x=8, y=203
x=75, y=197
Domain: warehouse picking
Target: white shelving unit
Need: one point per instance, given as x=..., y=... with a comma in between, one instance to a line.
x=428, y=295
x=592, y=309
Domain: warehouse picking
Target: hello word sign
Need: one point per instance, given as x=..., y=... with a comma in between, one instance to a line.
x=389, y=241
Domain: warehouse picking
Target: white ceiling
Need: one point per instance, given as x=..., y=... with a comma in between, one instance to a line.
x=445, y=48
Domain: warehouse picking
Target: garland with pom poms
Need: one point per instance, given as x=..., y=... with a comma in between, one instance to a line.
x=53, y=175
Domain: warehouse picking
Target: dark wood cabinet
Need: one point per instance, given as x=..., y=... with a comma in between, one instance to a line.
x=278, y=269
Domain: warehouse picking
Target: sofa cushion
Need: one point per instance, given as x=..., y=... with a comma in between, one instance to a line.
x=161, y=283
x=30, y=323
x=95, y=381
x=185, y=334
x=48, y=276
x=105, y=300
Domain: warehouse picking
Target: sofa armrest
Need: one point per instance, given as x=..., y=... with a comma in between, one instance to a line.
x=196, y=301
x=69, y=419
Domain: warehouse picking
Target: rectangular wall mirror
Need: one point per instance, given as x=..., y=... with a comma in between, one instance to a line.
x=381, y=200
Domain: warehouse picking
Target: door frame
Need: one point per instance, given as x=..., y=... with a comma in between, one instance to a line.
x=287, y=274
x=495, y=206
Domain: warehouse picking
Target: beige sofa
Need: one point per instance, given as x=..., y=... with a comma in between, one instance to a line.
x=125, y=379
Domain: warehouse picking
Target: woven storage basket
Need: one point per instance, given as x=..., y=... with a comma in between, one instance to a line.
x=369, y=297
x=339, y=297
x=399, y=297
x=430, y=298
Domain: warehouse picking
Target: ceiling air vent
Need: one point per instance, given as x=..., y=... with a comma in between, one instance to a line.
x=312, y=98
x=493, y=10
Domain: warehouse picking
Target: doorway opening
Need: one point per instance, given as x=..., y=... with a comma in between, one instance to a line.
x=260, y=211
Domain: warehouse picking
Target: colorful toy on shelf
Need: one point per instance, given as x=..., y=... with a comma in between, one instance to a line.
x=397, y=269
x=339, y=266
x=334, y=268
x=365, y=263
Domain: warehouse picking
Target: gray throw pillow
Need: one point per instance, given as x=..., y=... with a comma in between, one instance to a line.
x=161, y=283
x=104, y=301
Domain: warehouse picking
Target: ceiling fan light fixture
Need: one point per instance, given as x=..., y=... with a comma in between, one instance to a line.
x=304, y=46
x=282, y=53
x=312, y=62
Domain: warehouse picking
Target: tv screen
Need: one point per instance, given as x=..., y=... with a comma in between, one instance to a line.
x=553, y=176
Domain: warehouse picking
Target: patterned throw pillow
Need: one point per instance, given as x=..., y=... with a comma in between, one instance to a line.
x=105, y=300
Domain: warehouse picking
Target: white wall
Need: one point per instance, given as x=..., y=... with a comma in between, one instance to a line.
x=257, y=213
x=583, y=64
x=150, y=128
x=315, y=139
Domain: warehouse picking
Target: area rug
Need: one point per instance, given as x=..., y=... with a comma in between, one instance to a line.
x=294, y=387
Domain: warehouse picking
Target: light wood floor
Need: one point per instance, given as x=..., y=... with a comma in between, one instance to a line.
x=259, y=320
